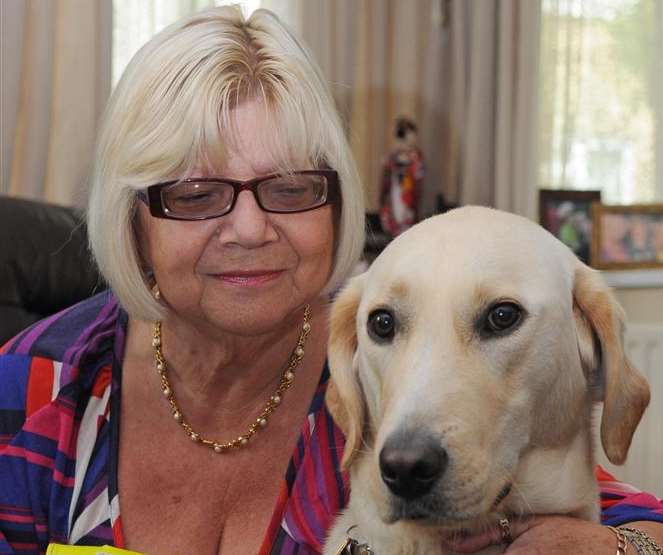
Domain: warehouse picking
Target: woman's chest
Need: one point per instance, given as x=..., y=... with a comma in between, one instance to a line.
x=194, y=505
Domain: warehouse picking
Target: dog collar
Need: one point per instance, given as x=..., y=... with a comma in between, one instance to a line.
x=352, y=547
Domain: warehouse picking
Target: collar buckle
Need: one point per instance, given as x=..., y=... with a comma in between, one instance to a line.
x=353, y=547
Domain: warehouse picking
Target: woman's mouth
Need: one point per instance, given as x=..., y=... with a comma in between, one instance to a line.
x=249, y=279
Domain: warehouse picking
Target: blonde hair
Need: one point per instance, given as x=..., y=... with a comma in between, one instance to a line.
x=170, y=113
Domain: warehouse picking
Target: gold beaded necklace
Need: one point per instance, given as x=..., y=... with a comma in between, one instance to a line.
x=274, y=401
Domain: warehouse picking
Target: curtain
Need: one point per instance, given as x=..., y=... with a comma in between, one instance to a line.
x=499, y=78
x=465, y=70
x=56, y=66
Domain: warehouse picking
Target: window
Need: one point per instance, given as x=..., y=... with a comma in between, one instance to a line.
x=601, y=123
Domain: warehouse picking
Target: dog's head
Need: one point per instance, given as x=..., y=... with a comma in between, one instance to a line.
x=473, y=338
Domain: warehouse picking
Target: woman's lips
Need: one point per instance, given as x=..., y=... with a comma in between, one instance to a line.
x=253, y=278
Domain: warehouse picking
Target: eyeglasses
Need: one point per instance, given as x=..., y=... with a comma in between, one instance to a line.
x=202, y=198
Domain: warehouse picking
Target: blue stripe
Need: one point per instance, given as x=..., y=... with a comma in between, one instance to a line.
x=14, y=373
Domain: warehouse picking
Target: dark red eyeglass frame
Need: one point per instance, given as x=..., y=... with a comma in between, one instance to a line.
x=151, y=195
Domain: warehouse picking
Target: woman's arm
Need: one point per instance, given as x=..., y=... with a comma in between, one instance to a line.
x=622, y=506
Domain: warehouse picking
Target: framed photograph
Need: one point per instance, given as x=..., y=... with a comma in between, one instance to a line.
x=568, y=216
x=627, y=237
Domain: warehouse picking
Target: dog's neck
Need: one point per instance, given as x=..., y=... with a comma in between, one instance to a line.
x=556, y=481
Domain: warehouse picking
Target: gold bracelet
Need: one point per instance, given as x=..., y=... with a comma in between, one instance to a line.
x=622, y=546
x=644, y=544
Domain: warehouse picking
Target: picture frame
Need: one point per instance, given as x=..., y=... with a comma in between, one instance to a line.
x=567, y=214
x=627, y=237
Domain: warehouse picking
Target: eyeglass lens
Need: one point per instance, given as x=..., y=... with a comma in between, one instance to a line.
x=289, y=193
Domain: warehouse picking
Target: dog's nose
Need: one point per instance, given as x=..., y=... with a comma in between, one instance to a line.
x=410, y=467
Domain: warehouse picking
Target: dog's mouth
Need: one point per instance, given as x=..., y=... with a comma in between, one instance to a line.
x=432, y=511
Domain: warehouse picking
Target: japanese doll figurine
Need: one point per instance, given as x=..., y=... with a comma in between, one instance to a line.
x=402, y=178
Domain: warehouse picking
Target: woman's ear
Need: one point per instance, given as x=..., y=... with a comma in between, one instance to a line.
x=611, y=378
x=344, y=397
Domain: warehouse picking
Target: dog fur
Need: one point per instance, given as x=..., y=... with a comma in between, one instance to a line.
x=514, y=408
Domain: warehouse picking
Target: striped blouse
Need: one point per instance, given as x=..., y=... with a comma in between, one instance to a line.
x=59, y=437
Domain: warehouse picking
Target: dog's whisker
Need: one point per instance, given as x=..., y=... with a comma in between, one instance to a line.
x=527, y=507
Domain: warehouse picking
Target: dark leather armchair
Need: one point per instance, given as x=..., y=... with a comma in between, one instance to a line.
x=45, y=264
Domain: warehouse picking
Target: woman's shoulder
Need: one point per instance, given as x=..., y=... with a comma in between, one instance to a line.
x=60, y=336
x=74, y=344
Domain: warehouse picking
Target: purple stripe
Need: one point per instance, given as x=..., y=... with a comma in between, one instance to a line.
x=96, y=490
x=103, y=532
x=68, y=374
x=32, y=335
x=319, y=466
x=288, y=547
x=74, y=353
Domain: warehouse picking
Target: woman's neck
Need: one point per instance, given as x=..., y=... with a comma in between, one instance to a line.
x=212, y=370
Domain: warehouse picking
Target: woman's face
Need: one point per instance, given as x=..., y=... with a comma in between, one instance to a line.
x=248, y=270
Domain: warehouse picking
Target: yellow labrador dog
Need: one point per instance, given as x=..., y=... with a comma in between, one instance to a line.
x=465, y=364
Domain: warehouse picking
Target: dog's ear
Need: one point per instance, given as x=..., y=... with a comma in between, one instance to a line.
x=611, y=378
x=344, y=396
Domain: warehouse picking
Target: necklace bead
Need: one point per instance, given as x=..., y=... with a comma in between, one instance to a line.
x=274, y=401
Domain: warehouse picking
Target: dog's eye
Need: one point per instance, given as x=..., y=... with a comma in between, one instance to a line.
x=381, y=325
x=503, y=316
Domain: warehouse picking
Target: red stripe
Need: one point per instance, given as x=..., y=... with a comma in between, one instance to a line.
x=40, y=460
x=64, y=480
x=40, y=385
x=309, y=470
x=102, y=382
x=302, y=522
x=329, y=472
x=4, y=348
x=118, y=536
x=306, y=478
x=275, y=522
x=26, y=546
x=29, y=456
x=46, y=424
x=15, y=509
x=16, y=518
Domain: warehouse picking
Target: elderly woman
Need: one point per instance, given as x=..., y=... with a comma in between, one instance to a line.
x=182, y=411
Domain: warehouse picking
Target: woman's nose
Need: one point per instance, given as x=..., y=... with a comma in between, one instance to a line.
x=247, y=225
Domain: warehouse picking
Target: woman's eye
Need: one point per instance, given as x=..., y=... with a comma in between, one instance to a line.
x=381, y=325
x=187, y=194
x=502, y=317
x=194, y=197
x=291, y=191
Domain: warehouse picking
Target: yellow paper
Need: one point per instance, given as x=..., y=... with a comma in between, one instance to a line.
x=59, y=549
